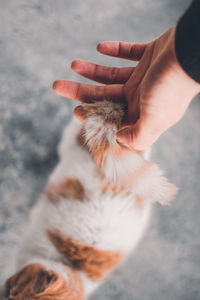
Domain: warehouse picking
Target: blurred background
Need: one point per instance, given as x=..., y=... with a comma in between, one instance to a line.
x=38, y=41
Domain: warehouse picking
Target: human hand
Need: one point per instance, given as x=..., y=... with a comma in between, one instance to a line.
x=157, y=90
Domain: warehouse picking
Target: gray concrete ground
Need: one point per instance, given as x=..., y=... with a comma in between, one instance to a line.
x=38, y=40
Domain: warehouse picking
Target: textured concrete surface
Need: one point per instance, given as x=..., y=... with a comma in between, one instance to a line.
x=38, y=40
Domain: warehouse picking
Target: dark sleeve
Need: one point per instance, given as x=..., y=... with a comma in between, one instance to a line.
x=187, y=41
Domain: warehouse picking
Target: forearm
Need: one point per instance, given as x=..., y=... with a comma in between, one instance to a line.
x=187, y=41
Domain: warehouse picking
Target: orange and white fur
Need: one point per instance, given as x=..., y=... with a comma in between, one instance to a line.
x=93, y=213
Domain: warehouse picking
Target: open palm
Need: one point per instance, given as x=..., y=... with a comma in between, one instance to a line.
x=157, y=91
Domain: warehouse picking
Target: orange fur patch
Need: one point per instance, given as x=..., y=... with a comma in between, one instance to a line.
x=139, y=202
x=94, y=262
x=33, y=282
x=67, y=188
x=99, y=152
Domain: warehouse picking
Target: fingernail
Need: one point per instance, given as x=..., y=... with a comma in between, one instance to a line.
x=73, y=64
x=98, y=47
x=55, y=84
x=76, y=64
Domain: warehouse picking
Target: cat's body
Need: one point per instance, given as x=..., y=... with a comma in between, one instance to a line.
x=94, y=212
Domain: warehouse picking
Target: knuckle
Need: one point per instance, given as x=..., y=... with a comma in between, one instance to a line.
x=120, y=49
x=99, y=93
x=133, y=51
x=113, y=74
x=96, y=70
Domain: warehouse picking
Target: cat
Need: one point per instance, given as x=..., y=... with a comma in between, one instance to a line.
x=93, y=213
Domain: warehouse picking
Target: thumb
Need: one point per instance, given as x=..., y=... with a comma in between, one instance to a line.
x=140, y=136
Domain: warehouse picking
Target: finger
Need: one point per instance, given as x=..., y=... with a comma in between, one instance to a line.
x=102, y=74
x=139, y=136
x=88, y=92
x=125, y=50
